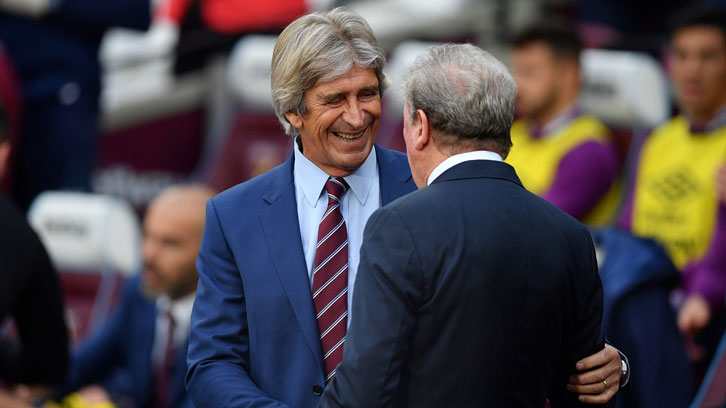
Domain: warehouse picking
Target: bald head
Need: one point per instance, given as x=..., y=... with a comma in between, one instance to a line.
x=173, y=228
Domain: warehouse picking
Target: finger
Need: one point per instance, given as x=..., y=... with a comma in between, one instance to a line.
x=613, y=381
x=596, y=399
x=601, y=357
x=596, y=375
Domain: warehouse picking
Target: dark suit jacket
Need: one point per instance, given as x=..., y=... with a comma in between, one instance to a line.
x=29, y=293
x=254, y=339
x=121, y=350
x=471, y=292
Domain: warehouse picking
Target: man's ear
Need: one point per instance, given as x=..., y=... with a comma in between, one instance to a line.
x=4, y=155
x=422, y=137
x=295, y=119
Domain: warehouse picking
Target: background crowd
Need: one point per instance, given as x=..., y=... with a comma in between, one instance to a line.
x=161, y=104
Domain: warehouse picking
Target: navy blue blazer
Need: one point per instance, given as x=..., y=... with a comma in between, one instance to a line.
x=254, y=339
x=471, y=292
x=121, y=349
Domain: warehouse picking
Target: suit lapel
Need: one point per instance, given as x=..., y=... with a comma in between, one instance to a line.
x=394, y=175
x=282, y=233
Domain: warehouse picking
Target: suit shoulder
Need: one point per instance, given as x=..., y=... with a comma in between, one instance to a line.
x=249, y=194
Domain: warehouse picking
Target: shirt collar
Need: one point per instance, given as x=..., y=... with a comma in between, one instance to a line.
x=313, y=178
x=717, y=121
x=180, y=309
x=452, y=161
x=559, y=122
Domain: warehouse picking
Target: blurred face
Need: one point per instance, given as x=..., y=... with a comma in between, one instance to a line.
x=341, y=122
x=536, y=72
x=698, y=70
x=172, y=236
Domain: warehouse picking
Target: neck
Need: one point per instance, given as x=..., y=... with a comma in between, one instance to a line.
x=703, y=116
x=181, y=294
x=548, y=113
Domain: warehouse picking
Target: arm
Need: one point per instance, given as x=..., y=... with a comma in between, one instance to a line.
x=101, y=352
x=218, y=357
x=388, y=289
x=583, y=177
x=600, y=376
x=587, y=336
x=43, y=354
x=704, y=282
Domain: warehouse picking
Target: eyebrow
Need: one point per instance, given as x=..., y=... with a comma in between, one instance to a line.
x=330, y=97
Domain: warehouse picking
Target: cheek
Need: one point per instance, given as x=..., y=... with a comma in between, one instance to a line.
x=326, y=120
x=373, y=107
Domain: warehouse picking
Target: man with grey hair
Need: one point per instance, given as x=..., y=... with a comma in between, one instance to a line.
x=471, y=291
x=280, y=252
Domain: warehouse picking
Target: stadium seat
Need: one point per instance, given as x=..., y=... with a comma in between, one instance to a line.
x=628, y=91
x=94, y=241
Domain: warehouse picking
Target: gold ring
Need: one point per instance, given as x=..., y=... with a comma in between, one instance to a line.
x=606, y=384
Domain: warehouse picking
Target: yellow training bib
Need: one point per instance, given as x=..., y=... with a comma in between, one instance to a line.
x=537, y=160
x=675, y=199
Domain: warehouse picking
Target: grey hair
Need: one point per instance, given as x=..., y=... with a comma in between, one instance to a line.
x=316, y=48
x=467, y=95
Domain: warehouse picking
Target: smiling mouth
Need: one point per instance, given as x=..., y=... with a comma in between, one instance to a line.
x=350, y=136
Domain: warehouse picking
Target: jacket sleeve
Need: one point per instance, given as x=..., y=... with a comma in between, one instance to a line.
x=102, y=350
x=586, y=334
x=218, y=357
x=42, y=356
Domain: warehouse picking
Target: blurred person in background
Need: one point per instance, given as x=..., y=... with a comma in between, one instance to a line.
x=196, y=30
x=143, y=345
x=53, y=45
x=30, y=294
x=559, y=152
x=256, y=325
x=673, y=199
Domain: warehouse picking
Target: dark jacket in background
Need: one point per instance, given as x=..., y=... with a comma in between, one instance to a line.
x=30, y=294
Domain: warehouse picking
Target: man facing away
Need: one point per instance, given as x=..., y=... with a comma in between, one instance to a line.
x=280, y=252
x=142, y=347
x=471, y=285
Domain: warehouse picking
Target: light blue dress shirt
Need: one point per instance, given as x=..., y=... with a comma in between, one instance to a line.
x=358, y=203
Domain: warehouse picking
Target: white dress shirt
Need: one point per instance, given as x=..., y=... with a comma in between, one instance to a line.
x=181, y=312
x=357, y=204
x=452, y=161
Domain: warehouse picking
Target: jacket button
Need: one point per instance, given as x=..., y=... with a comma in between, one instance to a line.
x=317, y=390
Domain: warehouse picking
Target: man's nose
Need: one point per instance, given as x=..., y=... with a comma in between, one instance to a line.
x=148, y=250
x=354, y=114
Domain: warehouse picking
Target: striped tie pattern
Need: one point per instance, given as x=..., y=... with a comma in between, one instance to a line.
x=330, y=278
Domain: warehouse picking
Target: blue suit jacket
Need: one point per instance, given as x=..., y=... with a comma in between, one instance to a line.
x=254, y=338
x=121, y=351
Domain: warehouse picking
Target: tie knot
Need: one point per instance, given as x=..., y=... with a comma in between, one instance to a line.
x=336, y=186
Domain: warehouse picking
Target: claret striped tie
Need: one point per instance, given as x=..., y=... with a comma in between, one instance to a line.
x=330, y=278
